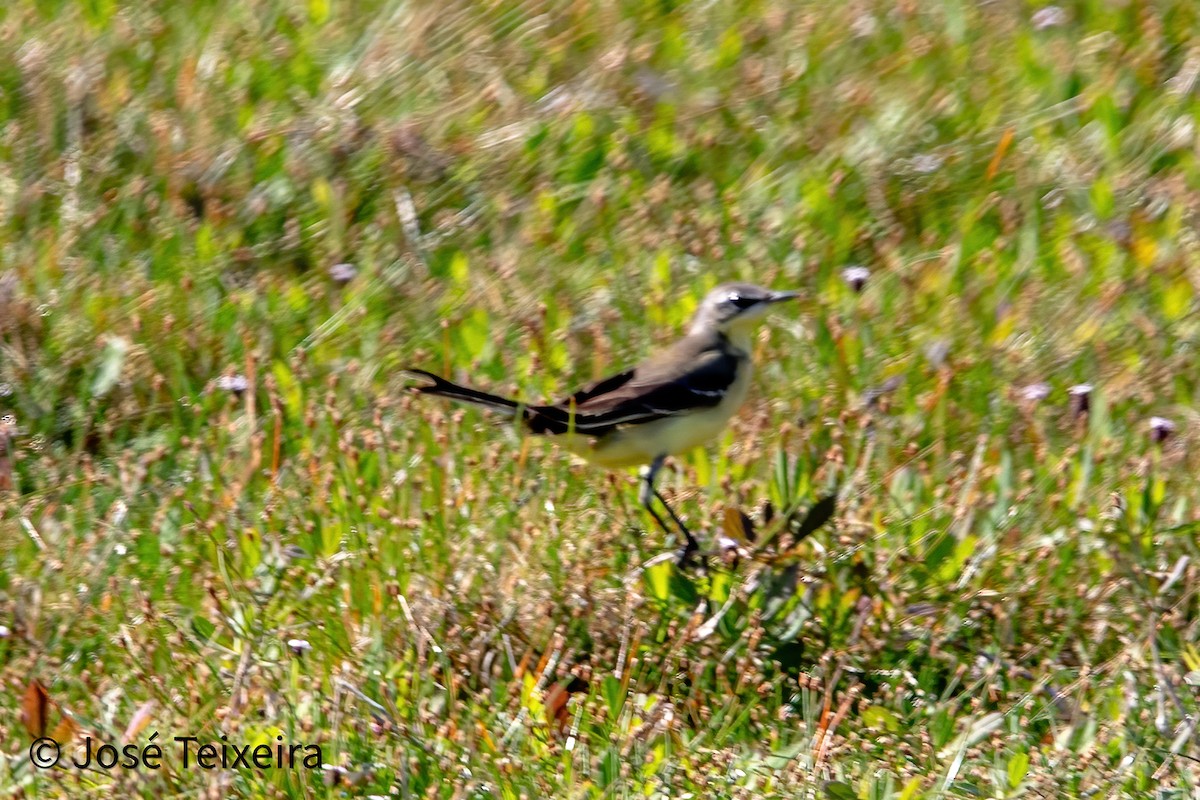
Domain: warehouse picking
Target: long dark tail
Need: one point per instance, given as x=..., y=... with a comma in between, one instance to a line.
x=444, y=388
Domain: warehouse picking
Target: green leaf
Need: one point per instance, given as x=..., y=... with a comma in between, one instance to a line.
x=683, y=587
x=614, y=695
x=658, y=580
x=941, y=549
x=730, y=48
x=910, y=789
x=288, y=386
x=941, y=728
x=1177, y=299
x=318, y=11
x=203, y=628
x=610, y=767
x=963, y=549
x=1018, y=765
x=719, y=587
x=99, y=12
x=879, y=717
x=474, y=335
x=836, y=790
x=460, y=270
x=322, y=194
x=781, y=758
x=251, y=549
x=1102, y=197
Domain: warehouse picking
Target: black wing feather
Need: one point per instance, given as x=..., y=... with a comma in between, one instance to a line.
x=631, y=398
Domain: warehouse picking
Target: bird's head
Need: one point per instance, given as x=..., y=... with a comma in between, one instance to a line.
x=734, y=308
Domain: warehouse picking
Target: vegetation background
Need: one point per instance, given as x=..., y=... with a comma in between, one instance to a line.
x=225, y=227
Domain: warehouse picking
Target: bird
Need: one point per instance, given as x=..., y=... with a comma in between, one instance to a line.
x=675, y=400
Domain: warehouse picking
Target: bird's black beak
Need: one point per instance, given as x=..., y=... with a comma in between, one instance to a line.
x=779, y=297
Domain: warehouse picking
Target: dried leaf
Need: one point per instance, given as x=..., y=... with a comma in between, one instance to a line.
x=556, y=699
x=1006, y=140
x=35, y=709
x=556, y=706
x=65, y=730
x=738, y=526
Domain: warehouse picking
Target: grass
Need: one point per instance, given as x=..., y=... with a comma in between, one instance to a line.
x=225, y=227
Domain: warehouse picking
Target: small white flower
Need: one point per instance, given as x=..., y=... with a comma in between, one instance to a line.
x=856, y=276
x=1049, y=17
x=1035, y=392
x=343, y=273
x=299, y=646
x=1161, y=428
x=927, y=163
x=233, y=383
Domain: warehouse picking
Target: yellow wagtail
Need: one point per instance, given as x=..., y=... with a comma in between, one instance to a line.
x=677, y=399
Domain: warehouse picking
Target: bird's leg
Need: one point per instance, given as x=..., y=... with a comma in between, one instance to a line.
x=647, y=494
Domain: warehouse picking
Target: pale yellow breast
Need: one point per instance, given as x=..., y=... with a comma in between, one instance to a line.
x=640, y=444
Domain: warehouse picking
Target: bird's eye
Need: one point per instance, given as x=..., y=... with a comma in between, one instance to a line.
x=742, y=302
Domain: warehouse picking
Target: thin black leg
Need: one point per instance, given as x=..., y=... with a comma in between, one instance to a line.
x=648, y=494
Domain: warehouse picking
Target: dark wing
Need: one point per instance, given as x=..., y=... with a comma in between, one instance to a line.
x=685, y=377
x=604, y=387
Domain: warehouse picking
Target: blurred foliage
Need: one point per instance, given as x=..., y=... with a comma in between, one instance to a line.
x=225, y=227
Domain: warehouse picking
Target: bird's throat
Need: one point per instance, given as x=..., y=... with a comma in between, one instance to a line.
x=741, y=336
